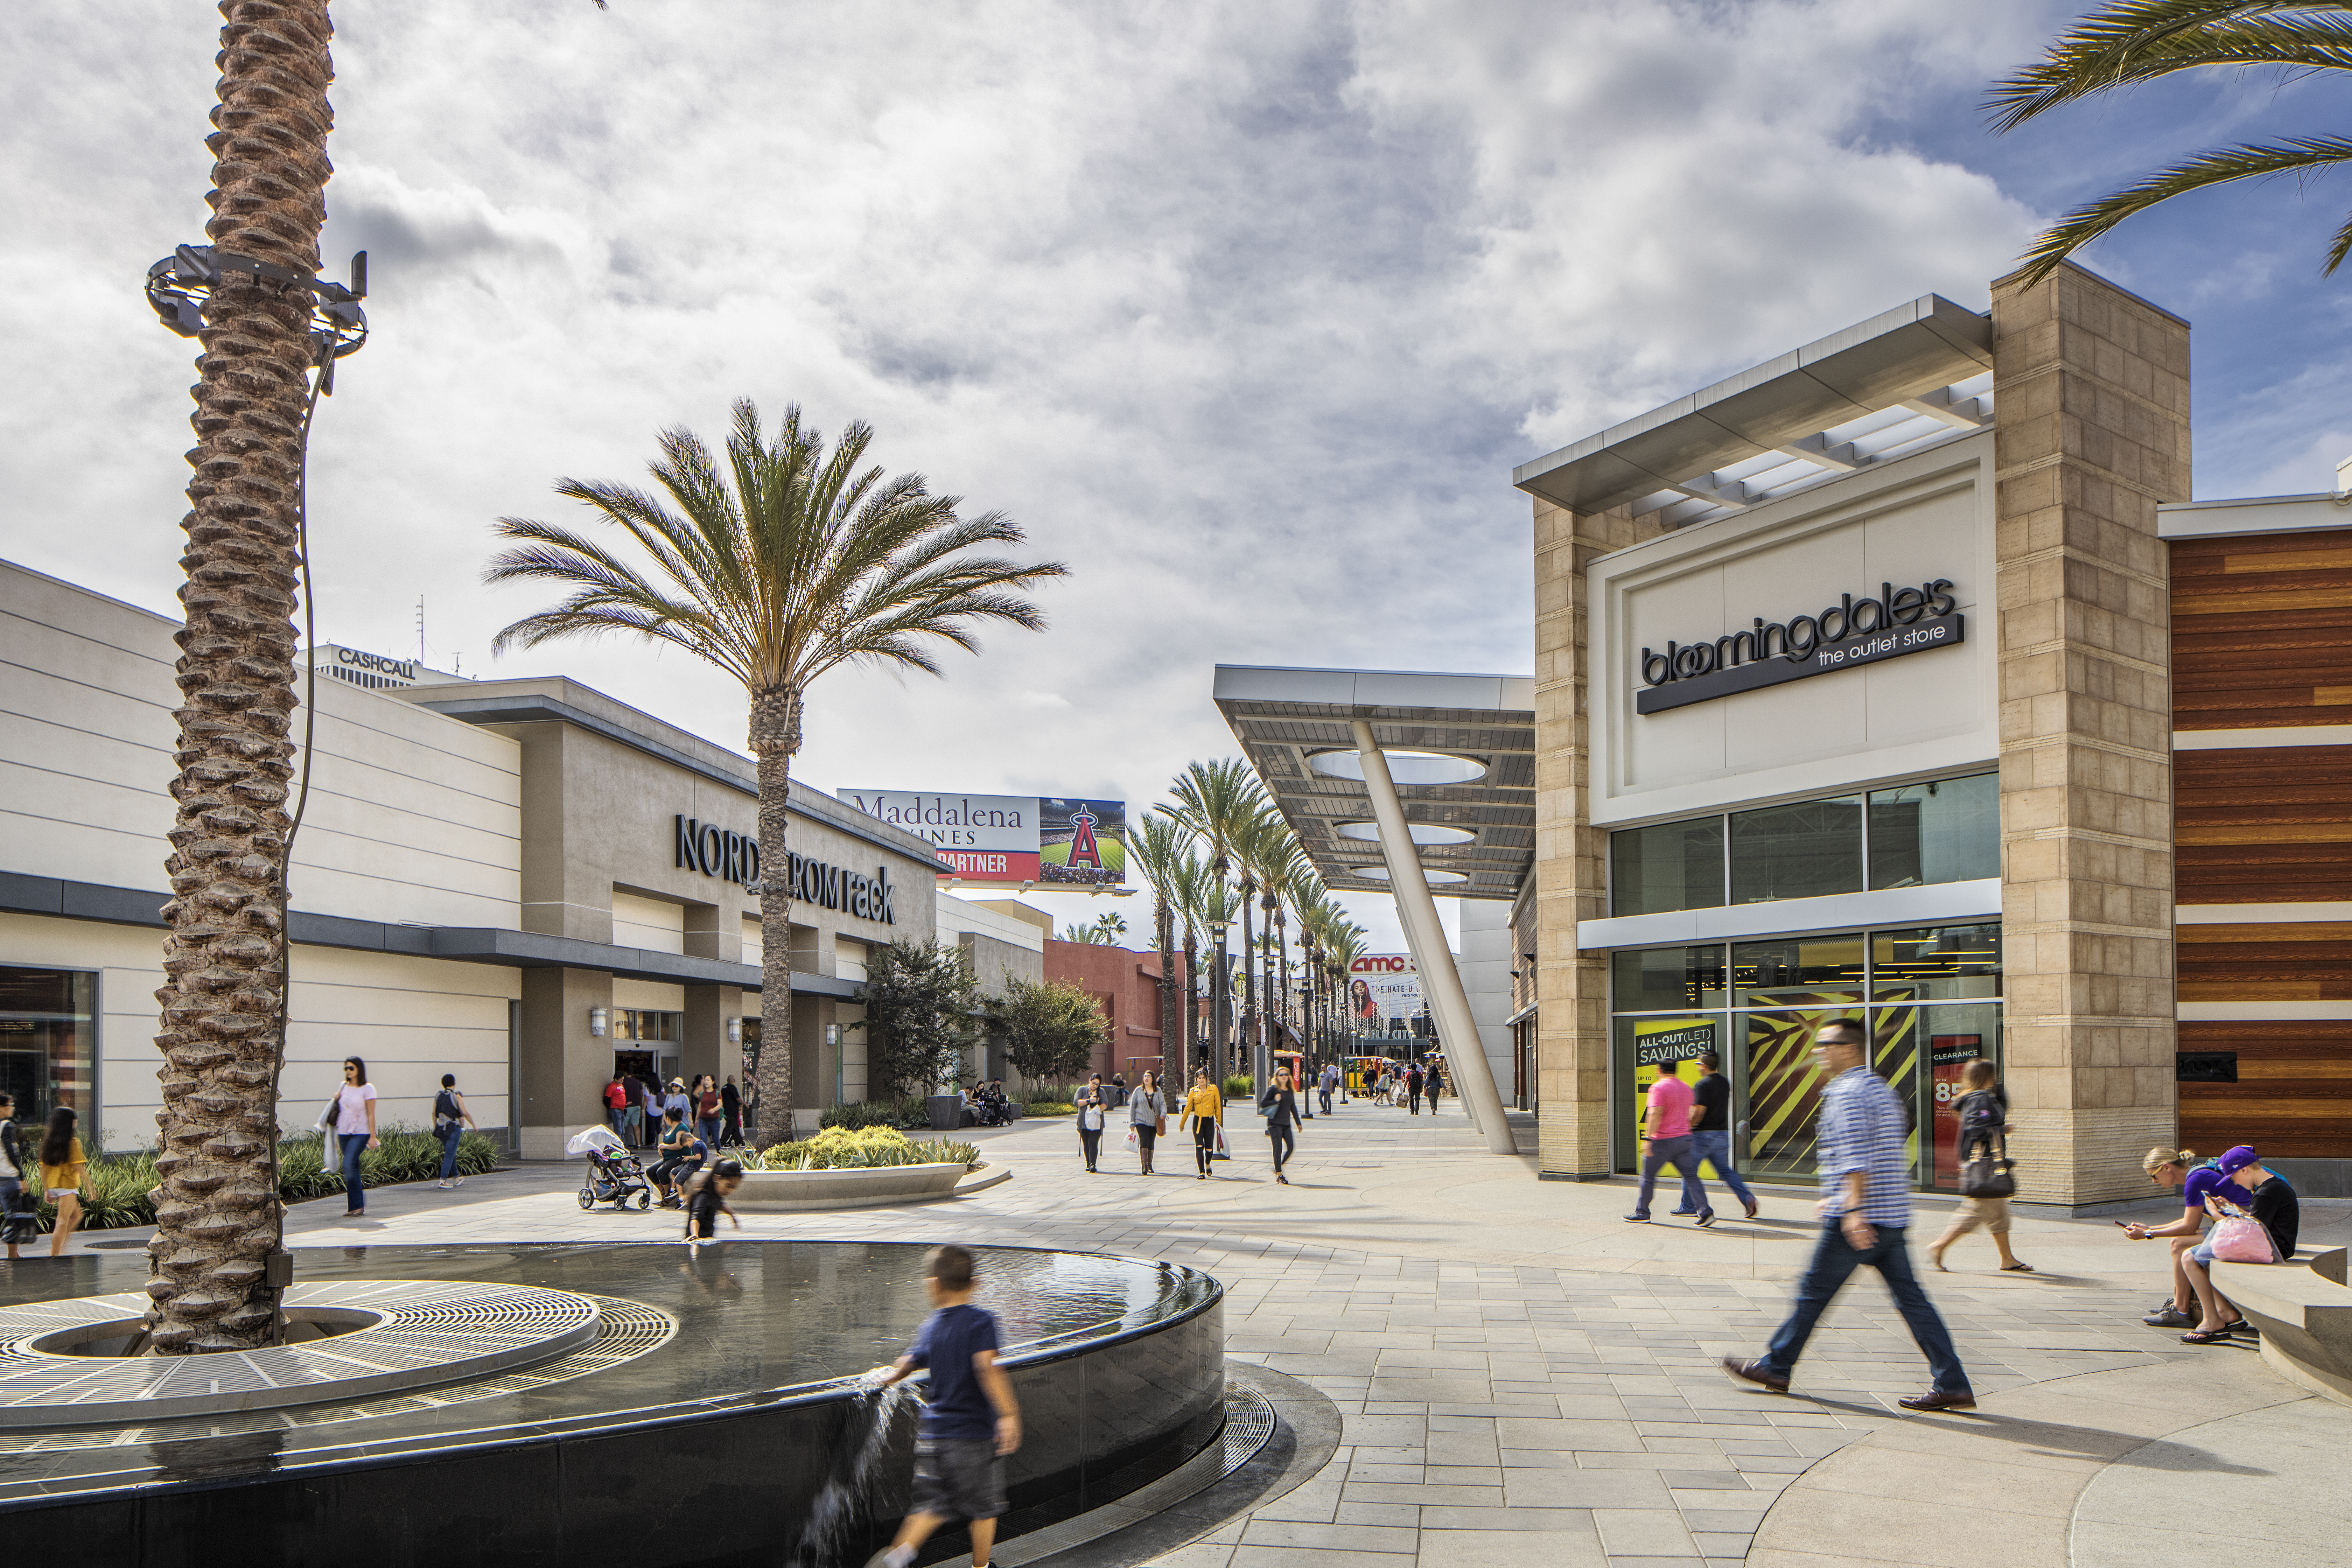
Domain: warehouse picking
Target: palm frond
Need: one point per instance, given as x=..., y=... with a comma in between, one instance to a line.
x=2132, y=41
x=2220, y=165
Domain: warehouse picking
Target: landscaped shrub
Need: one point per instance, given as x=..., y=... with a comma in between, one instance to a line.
x=1049, y=1108
x=876, y=1113
x=835, y=1149
x=120, y=1184
x=1238, y=1087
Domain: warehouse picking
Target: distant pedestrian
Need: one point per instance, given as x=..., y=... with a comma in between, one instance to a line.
x=1865, y=1205
x=616, y=1106
x=676, y=1098
x=1147, y=1112
x=1983, y=1116
x=1325, y=1082
x=450, y=1120
x=971, y=1419
x=65, y=1175
x=1433, y=1083
x=1412, y=1086
x=707, y=1107
x=730, y=1113
x=19, y=1207
x=1667, y=1126
x=1710, y=1125
x=355, y=1112
x=1279, y=1105
x=1117, y=1091
x=706, y=1200
x=649, y=1094
x=1204, y=1108
x=1094, y=1105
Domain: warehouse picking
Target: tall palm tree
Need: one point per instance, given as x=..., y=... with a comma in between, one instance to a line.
x=778, y=566
x=1261, y=851
x=1223, y=803
x=217, y=1215
x=2127, y=42
x=1160, y=845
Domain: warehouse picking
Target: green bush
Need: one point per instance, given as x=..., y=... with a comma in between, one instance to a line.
x=899, y=1113
x=835, y=1149
x=1049, y=1108
x=121, y=1185
x=1238, y=1087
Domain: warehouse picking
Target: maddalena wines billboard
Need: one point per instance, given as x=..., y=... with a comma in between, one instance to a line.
x=1010, y=839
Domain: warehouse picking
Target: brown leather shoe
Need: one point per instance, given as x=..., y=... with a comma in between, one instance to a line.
x=1937, y=1399
x=1753, y=1372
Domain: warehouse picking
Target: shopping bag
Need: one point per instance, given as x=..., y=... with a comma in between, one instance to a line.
x=1222, y=1151
x=2241, y=1240
x=1132, y=1141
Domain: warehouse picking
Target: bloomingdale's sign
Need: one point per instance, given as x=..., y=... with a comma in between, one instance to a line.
x=707, y=848
x=1852, y=631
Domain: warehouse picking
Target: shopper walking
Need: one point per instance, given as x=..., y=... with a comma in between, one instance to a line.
x=1433, y=1083
x=1147, y=1112
x=650, y=1096
x=1983, y=1116
x=730, y=1113
x=20, y=1210
x=1325, y=1082
x=1669, y=1130
x=707, y=1107
x=1094, y=1106
x=1204, y=1108
x=1710, y=1126
x=1412, y=1086
x=616, y=1106
x=450, y=1120
x=64, y=1176
x=1279, y=1106
x=354, y=1113
x=1865, y=1208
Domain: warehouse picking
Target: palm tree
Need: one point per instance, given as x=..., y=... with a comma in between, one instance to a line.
x=1160, y=846
x=1223, y=802
x=1103, y=931
x=777, y=566
x=218, y=1218
x=1261, y=851
x=2127, y=42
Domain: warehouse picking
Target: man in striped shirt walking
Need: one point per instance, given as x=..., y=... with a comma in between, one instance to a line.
x=1865, y=1204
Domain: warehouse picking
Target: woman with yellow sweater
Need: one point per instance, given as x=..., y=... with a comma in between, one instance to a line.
x=1204, y=1107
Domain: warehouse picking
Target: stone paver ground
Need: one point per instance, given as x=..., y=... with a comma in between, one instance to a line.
x=1523, y=1377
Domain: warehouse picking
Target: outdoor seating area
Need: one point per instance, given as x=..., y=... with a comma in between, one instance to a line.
x=2304, y=1308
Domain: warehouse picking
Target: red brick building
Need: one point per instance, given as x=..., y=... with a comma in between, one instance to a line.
x=1126, y=985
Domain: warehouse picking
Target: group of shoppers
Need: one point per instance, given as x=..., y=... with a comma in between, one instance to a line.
x=59, y=1175
x=2237, y=1186
x=1410, y=1083
x=349, y=1119
x=1144, y=1111
x=637, y=1106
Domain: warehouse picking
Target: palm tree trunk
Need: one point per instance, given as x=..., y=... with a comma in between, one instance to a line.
x=217, y=1215
x=775, y=738
x=1164, y=919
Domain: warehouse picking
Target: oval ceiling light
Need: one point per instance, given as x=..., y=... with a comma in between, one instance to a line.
x=1422, y=833
x=1404, y=767
x=1437, y=879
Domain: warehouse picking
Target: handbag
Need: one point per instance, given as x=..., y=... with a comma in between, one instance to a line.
x=2241, y=1240
x=326, y=1123
x=1222, y=1152
x=1161, y=1130
x=1988, y=1178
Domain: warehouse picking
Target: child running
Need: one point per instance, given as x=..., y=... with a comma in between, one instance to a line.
x=707, y=1200
x=971, y=1420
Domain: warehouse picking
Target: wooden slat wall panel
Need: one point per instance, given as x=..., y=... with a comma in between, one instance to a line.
x=2262, y=825
x=2262, y=631
x=2264, y=962
x=2293, y=1094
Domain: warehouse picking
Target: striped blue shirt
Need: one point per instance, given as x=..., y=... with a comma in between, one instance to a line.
x=1861, y=1129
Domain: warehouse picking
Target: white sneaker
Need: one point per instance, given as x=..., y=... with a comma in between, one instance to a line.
x=443, y=1185
x=459, y=1183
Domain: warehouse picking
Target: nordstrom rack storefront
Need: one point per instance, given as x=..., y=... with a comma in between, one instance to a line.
x=521, y=882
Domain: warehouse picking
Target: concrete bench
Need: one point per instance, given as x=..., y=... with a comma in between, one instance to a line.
x=2304, y=1313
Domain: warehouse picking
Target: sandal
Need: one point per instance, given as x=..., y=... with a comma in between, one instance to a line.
x=2204, y=1336
x=2017, y=1268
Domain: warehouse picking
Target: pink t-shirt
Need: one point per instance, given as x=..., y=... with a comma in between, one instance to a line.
x=1671, y=1099
x=351, y=1108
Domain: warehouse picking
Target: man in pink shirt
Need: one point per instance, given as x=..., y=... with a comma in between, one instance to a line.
x=1670, y=1144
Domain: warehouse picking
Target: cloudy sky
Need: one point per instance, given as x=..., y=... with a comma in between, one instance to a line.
x=1245, y=310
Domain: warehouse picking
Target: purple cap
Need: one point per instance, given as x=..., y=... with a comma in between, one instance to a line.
x=2237, y=1160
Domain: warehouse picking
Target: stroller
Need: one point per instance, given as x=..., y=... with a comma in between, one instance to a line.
x=614, y=1173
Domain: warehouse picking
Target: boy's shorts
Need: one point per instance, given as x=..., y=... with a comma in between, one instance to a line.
x=958, y=1478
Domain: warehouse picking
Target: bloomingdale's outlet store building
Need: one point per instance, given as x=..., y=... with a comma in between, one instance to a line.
x=1897, y=680
x=521, y=882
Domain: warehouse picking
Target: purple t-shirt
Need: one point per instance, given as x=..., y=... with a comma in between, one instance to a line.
x=957, y=1405
x=2205, y=1181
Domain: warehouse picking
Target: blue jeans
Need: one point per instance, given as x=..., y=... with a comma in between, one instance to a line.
x=1664, y=1152
x=1714, y=1148
x=450, y=1133
x=353, y=1145
x=708, y=1127
x=1835, y=1259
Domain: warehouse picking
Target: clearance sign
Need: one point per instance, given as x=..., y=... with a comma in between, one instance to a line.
x=1010, y=838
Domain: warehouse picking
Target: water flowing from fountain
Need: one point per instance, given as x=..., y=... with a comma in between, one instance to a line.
x=856, y=1475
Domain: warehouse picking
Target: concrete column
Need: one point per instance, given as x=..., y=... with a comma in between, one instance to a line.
x=1572, y=1066
x=564, y=1067
x=705, y=1047
x=2091, y=432
x=1465, y=1057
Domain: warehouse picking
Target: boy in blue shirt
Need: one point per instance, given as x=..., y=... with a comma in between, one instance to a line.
x=971, y=1420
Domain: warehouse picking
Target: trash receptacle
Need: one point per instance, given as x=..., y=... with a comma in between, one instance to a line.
x=947, y=1111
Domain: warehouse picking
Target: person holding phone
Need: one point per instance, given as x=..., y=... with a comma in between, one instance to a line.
x=2199, y=1184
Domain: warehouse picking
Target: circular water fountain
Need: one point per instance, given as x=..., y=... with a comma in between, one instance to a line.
x=534, y=1405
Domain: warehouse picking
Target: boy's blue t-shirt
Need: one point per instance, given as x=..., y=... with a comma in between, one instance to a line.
x=957, y=1406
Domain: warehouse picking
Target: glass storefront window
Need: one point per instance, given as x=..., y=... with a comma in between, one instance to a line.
x=1660, y=979
x=1948, y=831
x=1673, y=866
x=1937, y=964
x=48, y=1044
x=1807, y=850
x=1801, y=970
x=1642, y=1045
x=639, y=1024
x=1783, y=1083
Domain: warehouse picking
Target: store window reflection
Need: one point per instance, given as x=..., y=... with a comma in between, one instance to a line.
x=1767, y=972
x=1653, y=979
x=1807, y=850
x=1938, y=964
x=1946, y=831
x=47, y=1041
x=1673, y=866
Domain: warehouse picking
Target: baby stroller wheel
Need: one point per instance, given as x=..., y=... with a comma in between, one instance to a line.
x=587, y=1198
x=645, y=1199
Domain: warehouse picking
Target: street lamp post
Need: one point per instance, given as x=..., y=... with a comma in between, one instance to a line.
x=1220, y=989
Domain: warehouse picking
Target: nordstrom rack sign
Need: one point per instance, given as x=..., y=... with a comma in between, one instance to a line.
x=1851, y=632
x=707, y=848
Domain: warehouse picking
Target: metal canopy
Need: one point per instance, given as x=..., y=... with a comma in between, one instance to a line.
x=1282, y=717
x=1905, y=358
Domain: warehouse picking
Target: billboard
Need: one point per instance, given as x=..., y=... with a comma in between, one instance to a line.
x=1381, y=986
x=1012, y=838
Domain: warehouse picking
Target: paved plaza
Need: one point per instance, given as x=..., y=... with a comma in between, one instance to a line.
x=1524, y=1378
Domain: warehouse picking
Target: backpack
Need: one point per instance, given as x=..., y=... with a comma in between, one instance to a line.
x=446, y=1112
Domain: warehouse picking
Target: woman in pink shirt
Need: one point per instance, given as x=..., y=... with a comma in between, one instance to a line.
x=1670, y=1144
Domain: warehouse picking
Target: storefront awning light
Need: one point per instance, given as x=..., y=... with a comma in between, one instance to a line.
x=1404, y=767
x=1422, y=833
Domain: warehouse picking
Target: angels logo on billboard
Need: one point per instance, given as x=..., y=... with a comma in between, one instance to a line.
x=1010, y=838
x=1383, y=986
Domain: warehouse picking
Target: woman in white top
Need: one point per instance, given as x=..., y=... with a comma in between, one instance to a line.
x=354, y=1132
x=1147, y=1111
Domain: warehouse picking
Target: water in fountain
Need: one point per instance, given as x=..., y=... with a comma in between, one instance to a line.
x=848, y=1492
